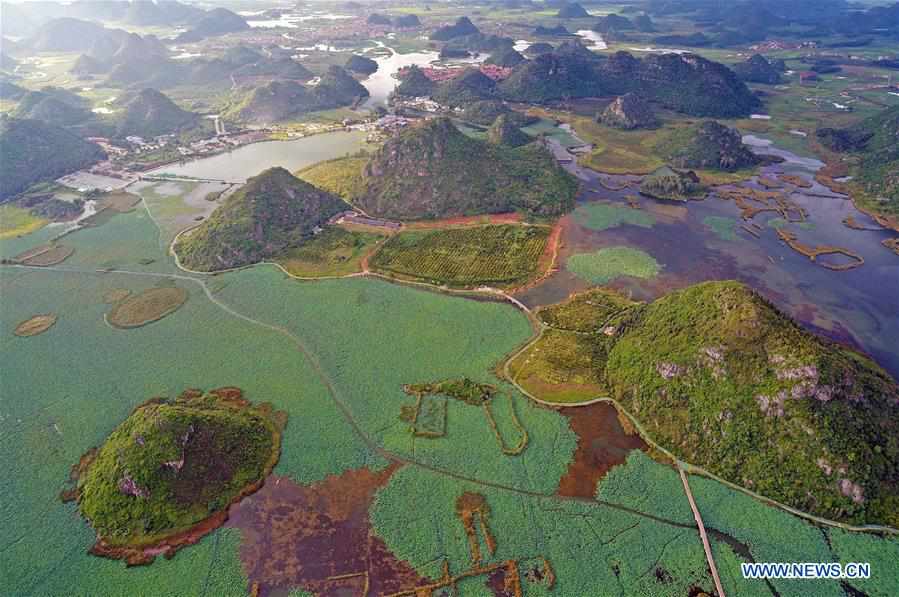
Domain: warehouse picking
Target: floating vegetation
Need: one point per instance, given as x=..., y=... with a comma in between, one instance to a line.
x=148, y=306
x=166, y=476
x=602, y=216
x=473, y=511
x=814, y=252
x=796, y=181
x=605, y=265
x=850, y=222
x=769, y=183
x=892, y=244
x=115, y=295
x=44, y=255
x=428, y=416
x=778, y=223
x=752, y=202
x=36, y=325
x=723, y=227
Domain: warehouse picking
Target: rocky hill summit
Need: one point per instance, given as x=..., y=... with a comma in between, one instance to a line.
x=629, y=111
x=757, y=69
x=434, y=170
x=506, y=131
x=711, y=145
x=272, y=212
x=463, y=26
x=151, y=113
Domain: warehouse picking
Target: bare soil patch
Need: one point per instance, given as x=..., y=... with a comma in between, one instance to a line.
x=116, y=295
x=36, y=325
x=146, y=307
x=602, y=443
x=289, y=536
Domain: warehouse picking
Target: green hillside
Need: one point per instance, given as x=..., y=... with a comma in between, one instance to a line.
x=434, y=171
x=272, y=212
x=718, y=376
x=34, y=151
x=151, y=113
x=874, y=142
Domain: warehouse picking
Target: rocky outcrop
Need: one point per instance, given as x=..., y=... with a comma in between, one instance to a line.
x=758, y=70
x=714, y=146
x=628, y=111
x=272, y=212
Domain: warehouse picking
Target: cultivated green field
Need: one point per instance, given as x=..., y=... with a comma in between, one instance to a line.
x=502, y=255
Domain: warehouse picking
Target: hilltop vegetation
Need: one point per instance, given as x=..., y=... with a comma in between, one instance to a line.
x=463, y=26
x=172, y=464
x=683, y=82
x=150, y=113
x=281, y=100
x=434, y=171
x=271, y=213
x=718, y=376
x=874, y=143
x=709, y=146
x=34, y=151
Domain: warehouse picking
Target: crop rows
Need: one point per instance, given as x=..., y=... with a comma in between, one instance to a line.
x=502, y=254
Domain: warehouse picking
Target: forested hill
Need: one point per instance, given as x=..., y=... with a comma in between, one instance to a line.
x=434, y=171
x=272, y=212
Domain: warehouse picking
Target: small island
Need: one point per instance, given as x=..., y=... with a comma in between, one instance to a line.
x=166, y=475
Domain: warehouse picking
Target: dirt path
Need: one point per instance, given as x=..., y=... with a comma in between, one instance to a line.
x=702, y=534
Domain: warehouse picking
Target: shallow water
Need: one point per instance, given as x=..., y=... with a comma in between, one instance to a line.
x=858, y=307
x=382, y=83
x=250, y=160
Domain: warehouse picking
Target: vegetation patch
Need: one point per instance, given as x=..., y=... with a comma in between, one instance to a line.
x=602, y=216
x=428, y=417
x=35, y=325
x=115, y=295
x=45, y=255
x=146, y=307
x=335, y=251
x=435, y=171
x=502, y=255
x=340, y=176
x=724, y=228
x=167, y=474
x=718, y=376
x=16, y=221
x=605, y=265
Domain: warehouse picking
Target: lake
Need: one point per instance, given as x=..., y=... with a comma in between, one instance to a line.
x=382, y=83
x=249, y=160
x=857, y=307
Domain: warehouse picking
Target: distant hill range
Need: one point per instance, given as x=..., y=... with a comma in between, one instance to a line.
x=873, y=146
x=53, y=105
x=272, y=212
x=712, y=146
x=281, y=100
x=149, y=113
x=217, y=21
x=685, y=83
x=434, y=171
x=34, y=151
x=462, y=27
